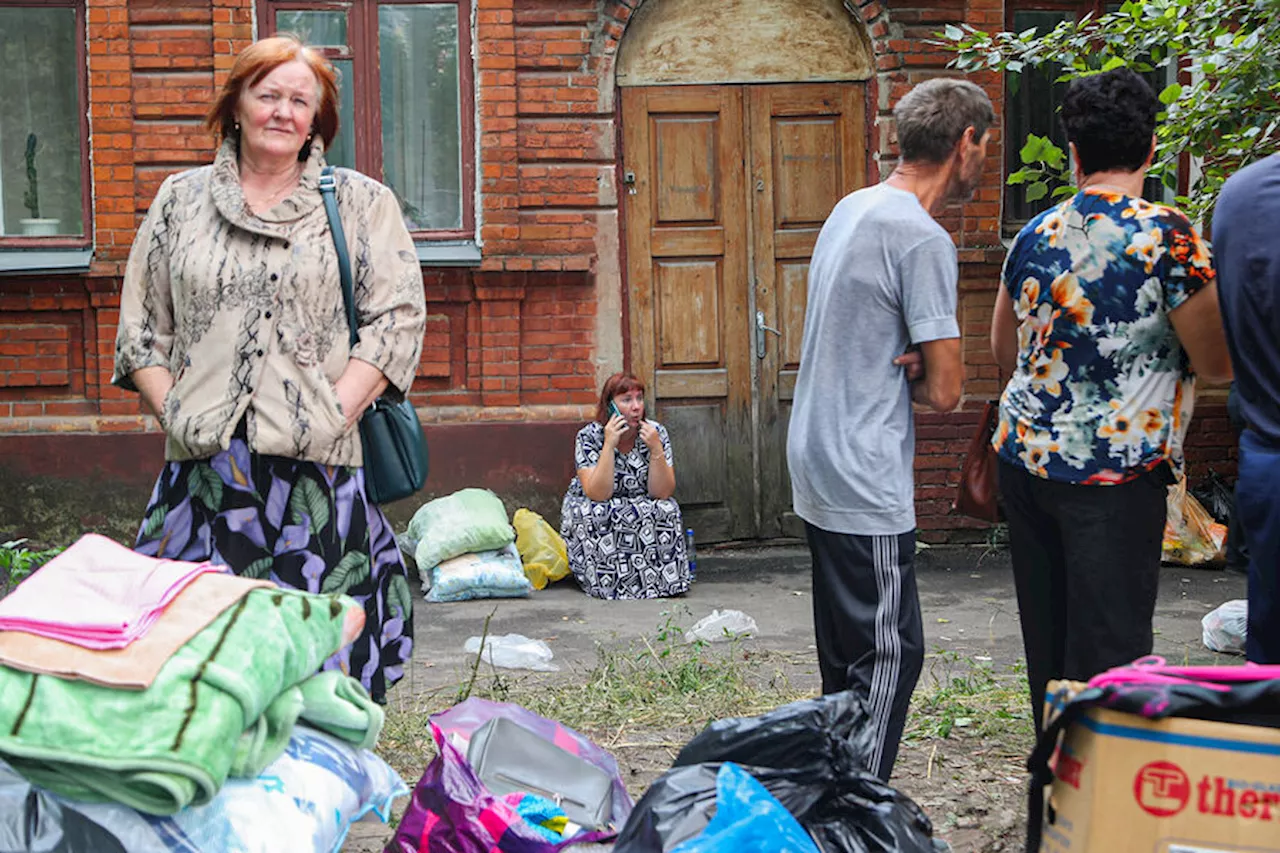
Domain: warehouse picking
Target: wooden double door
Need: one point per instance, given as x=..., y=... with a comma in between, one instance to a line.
x=726, y=189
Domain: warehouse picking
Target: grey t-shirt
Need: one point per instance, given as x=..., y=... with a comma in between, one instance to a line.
x=883, y=275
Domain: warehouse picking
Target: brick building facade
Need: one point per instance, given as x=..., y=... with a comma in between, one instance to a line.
x=531, y=306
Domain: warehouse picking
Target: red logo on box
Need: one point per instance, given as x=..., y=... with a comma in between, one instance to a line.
x=1068, y=769
x=1161, y=788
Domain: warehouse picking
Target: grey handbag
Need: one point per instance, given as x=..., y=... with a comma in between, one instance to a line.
x=509, y=758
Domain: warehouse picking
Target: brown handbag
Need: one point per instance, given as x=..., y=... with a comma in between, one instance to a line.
x=978, y=493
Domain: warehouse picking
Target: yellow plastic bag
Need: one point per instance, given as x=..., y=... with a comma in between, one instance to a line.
x=1191, y=536
x=541, y=549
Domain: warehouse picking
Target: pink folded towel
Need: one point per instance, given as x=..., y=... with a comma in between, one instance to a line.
x=97, y=594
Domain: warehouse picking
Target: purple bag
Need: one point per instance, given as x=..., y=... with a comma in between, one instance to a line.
x=453, y=812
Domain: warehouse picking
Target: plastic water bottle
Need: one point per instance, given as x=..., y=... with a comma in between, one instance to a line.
x=693, y=555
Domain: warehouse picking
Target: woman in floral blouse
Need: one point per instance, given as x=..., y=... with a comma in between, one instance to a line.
x=233, y=330
x=1106, y=314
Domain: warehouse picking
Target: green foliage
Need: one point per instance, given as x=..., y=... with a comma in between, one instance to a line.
x=1044, y=165
x=970, y=695
x=17, y=561
x=1227, y=116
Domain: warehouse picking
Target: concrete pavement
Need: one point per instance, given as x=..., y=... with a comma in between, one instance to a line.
x=966, y=595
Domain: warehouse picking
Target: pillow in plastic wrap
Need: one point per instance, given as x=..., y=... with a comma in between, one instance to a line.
x=488, y=574
x=466, y=522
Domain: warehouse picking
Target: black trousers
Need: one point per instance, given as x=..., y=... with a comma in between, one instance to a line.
x=1086, y=566
x=866, y=615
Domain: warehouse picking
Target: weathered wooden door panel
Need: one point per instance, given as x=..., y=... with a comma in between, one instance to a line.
x=807, y=150
x=731, y=185
x=687, y=270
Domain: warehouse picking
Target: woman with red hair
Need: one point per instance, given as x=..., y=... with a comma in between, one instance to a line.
x=624, y=531
x=233, y=329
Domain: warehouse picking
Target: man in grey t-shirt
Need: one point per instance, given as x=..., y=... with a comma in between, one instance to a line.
x=880, y=332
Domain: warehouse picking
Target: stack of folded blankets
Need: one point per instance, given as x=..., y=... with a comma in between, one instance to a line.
x=465, y=548
x=148, y=682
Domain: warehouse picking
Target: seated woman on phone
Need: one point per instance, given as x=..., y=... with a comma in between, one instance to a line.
x=624, y=532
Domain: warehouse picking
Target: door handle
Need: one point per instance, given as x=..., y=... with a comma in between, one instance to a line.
x=761, y=328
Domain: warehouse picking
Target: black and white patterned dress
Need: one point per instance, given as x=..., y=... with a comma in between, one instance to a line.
x=632, y=545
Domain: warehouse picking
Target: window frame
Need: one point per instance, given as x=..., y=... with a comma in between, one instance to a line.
x=362, y=49
x=67, y=241
x=1013, y=143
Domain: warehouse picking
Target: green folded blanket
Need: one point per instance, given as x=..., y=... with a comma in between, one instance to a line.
x=338, y=704
x=224, y=704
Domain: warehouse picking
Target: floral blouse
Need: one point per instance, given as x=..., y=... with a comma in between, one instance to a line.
x=630, y=470
x=1102, y=391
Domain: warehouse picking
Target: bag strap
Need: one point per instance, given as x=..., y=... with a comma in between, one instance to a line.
x=327, y=190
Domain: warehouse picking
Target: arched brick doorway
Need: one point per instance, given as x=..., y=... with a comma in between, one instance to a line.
x=743, y=123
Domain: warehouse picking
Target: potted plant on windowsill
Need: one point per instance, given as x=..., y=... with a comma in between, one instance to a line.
x=35, y=225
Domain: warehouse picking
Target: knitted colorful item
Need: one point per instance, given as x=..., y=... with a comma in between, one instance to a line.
x=224, y=704
x=540, y=813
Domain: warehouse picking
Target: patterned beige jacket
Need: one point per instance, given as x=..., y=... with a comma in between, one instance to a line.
x=246, y=310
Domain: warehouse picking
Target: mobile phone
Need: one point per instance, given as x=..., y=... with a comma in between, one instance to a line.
x=613, y=410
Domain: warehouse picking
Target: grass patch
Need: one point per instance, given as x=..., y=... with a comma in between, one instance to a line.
x=650, y=695
x=956, y=693
x=642, y=700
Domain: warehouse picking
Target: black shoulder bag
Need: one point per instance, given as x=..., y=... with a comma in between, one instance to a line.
x=395, y=449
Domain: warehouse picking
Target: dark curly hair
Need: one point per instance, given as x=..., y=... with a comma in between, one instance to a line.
x=1110, y=117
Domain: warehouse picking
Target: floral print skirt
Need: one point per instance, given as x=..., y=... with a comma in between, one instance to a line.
x=300, y=524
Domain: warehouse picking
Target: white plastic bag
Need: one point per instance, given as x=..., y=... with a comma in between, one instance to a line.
x=514, y=651
x=1225, y=627
x=721, y=625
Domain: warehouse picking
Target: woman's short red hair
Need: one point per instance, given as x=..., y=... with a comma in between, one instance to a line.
x=260, y=59
x=618, y=383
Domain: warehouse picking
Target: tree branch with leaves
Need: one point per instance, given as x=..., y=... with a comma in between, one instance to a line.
x=1223, y=108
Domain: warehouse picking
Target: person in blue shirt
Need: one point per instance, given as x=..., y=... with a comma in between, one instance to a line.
x=1244, y=233
x=1106, y=313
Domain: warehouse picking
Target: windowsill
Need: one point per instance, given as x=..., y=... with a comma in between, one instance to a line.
x=448, y=253
x=45, y=260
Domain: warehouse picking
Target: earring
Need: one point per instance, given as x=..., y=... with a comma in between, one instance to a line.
x=237, y=127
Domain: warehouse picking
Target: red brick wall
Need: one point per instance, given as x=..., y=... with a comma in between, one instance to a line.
x=529, y=334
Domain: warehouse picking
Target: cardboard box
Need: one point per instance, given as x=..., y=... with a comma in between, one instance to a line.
x=1130, y=785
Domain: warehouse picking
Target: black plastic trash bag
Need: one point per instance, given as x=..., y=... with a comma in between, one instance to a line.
x=811, y=755
x=1216, y=497
x=32, y=821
